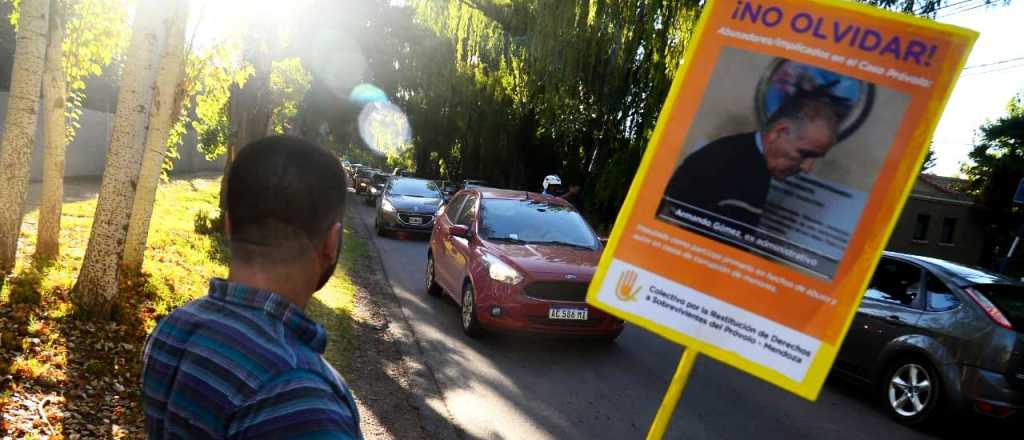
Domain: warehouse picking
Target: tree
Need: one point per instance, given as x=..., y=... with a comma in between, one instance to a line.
x=929, y=160
x=20, y=126
x=55, y=138
x=95, y=291
x=289, y=82
x=996, y=166
x=167, y=100
x=96, y=32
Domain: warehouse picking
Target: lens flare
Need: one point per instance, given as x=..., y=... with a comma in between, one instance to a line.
x=384, y=128
x=364, y=94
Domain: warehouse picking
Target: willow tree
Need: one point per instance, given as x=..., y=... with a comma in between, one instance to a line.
x=19, y=135
x=96, y=290
x=167, y=101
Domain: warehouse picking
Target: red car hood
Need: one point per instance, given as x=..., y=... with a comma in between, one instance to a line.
x=549, y=259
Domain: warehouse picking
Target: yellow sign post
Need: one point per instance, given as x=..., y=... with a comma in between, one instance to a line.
x=782, y=157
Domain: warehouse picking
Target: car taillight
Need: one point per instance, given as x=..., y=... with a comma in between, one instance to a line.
x=990, y=309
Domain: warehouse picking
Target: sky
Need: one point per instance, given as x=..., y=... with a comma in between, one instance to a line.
x=982, y=92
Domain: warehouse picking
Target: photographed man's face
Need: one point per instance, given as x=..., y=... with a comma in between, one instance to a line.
x=791, y=148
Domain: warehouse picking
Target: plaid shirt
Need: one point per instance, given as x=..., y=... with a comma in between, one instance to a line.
x=243, y=363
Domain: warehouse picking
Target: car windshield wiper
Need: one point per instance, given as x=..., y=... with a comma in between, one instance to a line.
x=508, y=240
x=563, y=243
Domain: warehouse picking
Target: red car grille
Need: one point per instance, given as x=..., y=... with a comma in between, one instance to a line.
x=558, y=291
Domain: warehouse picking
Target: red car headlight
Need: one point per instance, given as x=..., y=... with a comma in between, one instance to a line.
x=502, y=273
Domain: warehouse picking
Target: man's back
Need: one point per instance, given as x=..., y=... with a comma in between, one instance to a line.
x=727, y=177
x=243, y=363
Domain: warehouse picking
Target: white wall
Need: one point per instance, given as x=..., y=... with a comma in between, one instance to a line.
x=87, y=154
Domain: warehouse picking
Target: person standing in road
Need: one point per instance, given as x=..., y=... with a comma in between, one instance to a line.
x=245, y=361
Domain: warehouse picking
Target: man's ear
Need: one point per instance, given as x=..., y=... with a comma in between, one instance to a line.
x=332, y=243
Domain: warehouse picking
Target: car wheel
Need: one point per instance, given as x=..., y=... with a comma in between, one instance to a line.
x=378, y=227
x=911, y=391
x=433, y=289
x=470, y=324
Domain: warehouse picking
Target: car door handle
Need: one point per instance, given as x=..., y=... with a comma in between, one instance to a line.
x=895, y=319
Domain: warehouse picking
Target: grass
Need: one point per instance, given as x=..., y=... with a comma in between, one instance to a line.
x=90, y=370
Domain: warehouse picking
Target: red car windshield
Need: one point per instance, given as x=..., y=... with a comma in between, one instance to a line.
x=527, y=221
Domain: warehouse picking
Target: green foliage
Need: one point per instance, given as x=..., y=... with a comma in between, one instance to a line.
x=997, y=165
x=289, y=82
x=209, y=77
x=14, y=16
x=96, y=33
x=929, y=159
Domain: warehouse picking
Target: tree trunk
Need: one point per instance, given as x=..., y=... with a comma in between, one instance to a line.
x=249, y=111
x=96, y=289
x=55, y=136
x=20, y=127
x=167, y=102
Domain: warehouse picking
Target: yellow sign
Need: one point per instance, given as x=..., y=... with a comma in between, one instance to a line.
x=782, y=157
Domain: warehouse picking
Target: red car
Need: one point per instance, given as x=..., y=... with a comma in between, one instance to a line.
x=517, y=261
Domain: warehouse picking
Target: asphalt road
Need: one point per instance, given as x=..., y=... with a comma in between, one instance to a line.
x=516, y=387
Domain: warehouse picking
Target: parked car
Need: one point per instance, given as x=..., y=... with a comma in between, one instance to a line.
x=362, y=178
x=517, y=261
x=402, y=172
x=377, y=183
x=937, y=337
x=407, y=204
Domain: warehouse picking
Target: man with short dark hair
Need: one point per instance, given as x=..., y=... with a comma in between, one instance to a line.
x=731, y=175
x=244, y=361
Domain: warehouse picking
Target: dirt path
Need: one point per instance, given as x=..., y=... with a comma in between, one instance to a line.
x=397, y=396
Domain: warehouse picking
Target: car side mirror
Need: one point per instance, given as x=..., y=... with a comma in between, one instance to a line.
x=461, y=231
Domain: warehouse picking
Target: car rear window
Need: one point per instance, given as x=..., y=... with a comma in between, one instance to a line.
x=534, y=222
x=1009, y=299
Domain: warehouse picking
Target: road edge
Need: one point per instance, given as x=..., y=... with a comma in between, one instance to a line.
x=439, y=422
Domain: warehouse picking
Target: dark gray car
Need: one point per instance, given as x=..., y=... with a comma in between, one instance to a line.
x=407, y=204
x=936, y=337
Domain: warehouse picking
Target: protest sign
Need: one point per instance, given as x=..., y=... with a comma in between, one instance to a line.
x=781, y=160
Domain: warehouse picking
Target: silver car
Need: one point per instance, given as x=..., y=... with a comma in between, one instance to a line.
x=934, y=337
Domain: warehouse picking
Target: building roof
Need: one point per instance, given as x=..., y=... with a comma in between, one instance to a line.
x=930, y=186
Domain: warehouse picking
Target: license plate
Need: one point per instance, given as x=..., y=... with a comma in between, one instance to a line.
x=415, y=221
x=569, y=313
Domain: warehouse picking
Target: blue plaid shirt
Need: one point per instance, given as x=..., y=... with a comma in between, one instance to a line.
x=243, y=363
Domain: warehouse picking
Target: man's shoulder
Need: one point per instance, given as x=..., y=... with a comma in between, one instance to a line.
x=243, y=339
x=732, y=145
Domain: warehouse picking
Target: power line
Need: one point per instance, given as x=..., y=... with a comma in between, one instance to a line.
x=945, y=6
x=994, y=63
x=1000, y=69
x=962, y=10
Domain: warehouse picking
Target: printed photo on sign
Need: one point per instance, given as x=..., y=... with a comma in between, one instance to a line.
x=780, y=159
